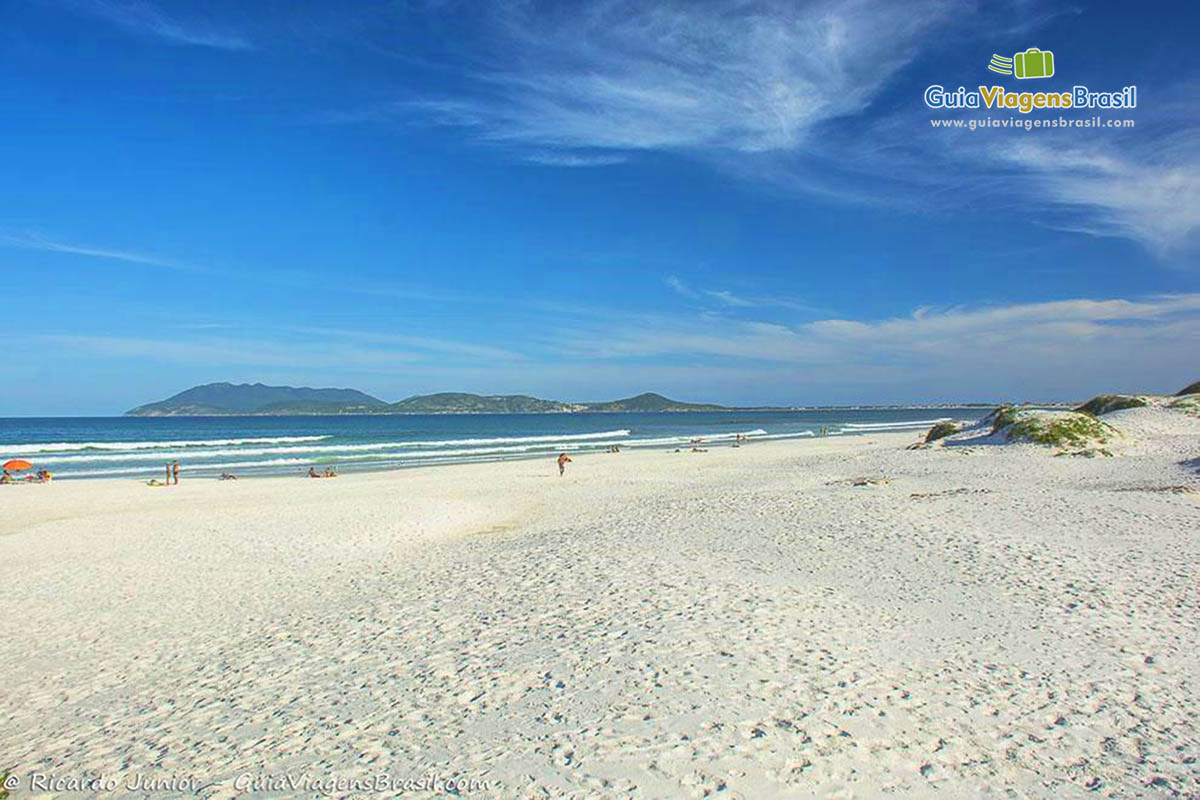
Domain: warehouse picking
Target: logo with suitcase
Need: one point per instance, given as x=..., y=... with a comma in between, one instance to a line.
x=1033, y=63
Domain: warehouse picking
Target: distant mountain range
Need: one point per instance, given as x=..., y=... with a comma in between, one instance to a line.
x=228, y=399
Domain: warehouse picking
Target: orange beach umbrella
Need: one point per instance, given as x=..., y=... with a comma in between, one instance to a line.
x=17, y=465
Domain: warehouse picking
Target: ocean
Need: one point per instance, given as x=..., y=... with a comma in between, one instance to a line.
x=138, y=447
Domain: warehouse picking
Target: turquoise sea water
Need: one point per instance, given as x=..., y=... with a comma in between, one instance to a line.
x=138, y=447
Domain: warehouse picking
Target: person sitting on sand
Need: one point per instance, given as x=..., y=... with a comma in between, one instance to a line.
x=312, y=472
x=44, y=476
x=563, y=460
x=6, y=478
x=329, y=473
x=227, y=476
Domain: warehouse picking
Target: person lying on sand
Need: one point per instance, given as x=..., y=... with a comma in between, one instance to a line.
x=563, y=460
x=227, y=476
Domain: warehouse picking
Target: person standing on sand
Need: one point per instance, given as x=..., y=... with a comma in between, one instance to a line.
x=175, y=471
x=563, y=460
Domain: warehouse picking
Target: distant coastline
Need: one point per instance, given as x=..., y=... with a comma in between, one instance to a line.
x=259, y=400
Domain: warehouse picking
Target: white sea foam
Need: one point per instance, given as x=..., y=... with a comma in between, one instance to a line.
x=340, y=451
x=208, y=457
x=870, y=426
x=70, y=447
x=568, y=437
x=332, y=455
x=76, y=451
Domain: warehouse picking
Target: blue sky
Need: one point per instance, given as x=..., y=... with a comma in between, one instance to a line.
x=734, y=202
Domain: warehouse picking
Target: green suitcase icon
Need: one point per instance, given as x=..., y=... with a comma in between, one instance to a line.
x=1034, y=63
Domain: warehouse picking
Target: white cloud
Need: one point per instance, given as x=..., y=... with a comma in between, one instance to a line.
x=144, y=18
x=1155, y=202
x=730, y=299
x=680, y=288
x=740, y=76
x=1061, y=348
x=726, y=299
x=775, y=93
x=447, y=347
x=558, y=159
x=33, y=242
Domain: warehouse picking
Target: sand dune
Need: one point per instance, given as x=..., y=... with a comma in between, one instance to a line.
x=746, y=622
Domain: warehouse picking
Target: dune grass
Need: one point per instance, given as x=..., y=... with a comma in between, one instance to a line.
x=1070, y=430
x=1189, y=404
x=1105, y=403
x=1073, y=430
x=941, y=430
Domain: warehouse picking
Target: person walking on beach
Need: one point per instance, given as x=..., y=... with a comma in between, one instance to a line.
x=563, y=460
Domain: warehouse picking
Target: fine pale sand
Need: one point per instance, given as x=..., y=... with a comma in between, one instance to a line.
x=745, y=622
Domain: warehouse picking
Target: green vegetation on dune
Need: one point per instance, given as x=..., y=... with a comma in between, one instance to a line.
x=1189, y=404
x=1075, y=432
x=1066, y=429
x=1104, y=403
x=1002, y=417
x=941, y=431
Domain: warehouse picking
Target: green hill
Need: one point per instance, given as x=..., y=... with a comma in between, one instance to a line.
x=650, y=401
x=463, y=403
x=215, y=399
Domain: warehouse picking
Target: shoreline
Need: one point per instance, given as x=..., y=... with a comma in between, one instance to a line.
x=293, y=458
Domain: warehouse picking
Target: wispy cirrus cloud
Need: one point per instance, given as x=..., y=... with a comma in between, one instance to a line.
x=553, y=159
x=742, y=77
x=1152, y=198
x=37, y=242
x=431, y=344
x=1066, y=348
x=723, y=298
x=220, y=352
x=1061, y=349
x=144, y=18
x=783, y=94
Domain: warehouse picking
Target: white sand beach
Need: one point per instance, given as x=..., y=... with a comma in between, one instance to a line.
x=985, y=621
